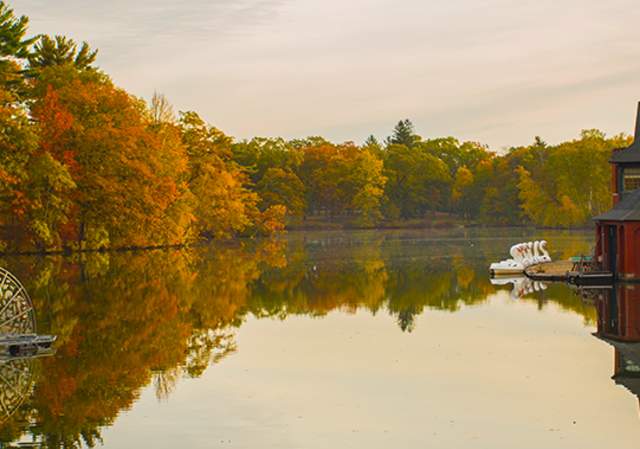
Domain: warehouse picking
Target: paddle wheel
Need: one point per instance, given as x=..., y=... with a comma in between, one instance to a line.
x=19, y=344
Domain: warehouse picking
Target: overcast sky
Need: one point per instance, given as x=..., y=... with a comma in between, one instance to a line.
x=494, y=71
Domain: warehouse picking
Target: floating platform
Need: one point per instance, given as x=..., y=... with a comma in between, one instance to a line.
x=552, y=271
x=14, y=345
x=563, y=271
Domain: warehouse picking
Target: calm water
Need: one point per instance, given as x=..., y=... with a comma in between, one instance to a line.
x=318, y=340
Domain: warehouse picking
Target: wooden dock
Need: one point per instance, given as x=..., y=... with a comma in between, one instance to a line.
x=552, y=271
x=564, y=271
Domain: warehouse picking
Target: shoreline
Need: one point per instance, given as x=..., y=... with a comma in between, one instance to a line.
x=296, y=229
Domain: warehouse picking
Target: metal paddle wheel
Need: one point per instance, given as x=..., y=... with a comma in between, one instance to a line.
x=16, y=309
x=19, y=344
x=16, y=383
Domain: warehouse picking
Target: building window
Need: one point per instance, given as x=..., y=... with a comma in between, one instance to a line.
x=631, y=179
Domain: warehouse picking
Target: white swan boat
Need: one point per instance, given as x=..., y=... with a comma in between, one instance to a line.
x=523, y=255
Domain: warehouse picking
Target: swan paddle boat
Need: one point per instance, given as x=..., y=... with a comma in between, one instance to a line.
x=523, y=255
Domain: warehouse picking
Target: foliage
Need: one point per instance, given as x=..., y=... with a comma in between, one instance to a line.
x=85, y=165
x=417, y=181
x=568, y=184
x=343, y=180
x=461, y=195
x=282, y=187
x=127, y=176
x=455, y=154
x=224, y=205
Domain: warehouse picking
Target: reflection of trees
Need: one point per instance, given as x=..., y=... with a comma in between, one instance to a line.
x=566, y=299
x=127, y=320
x=126, y=324
x=330, y=278
x=372, y=274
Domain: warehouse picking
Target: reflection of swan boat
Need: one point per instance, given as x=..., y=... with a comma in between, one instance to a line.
x=522, y=285
x=523, y=255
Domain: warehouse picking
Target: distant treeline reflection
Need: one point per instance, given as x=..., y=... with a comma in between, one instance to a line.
x=127, y=320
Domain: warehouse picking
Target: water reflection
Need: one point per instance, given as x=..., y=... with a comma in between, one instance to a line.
x=522, y=285
x=619, y=325
x=128, y=320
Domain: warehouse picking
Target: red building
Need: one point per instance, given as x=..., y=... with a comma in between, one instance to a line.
x=618, y=231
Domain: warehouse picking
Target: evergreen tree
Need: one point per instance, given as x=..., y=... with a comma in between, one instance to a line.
x=371, y=142
x=12, y=31
x=13, y=46
x=61, y=50
x=373, y=145
x=539, y=143
x=403, y=134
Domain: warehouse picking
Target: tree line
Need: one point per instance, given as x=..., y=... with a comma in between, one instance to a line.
x=86, y=165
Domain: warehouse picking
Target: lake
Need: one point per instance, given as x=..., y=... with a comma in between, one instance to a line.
x=360, y=339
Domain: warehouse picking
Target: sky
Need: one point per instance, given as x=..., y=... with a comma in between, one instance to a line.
x=494, y=71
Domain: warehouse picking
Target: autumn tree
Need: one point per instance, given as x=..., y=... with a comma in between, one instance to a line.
x=127, y=179
x=223, y=203
x=567, y=184
x=260, y=154
x=343, y=180
x=282, y=187
x=373, y=145
x=161, y=110
x=172, y=154
x=367, y=183
x=499, y=201
x=417, y=182
x=461, y=191
x=33, y=184
x=456, y=154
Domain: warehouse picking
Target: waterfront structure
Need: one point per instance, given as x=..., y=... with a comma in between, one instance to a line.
x=618, y=230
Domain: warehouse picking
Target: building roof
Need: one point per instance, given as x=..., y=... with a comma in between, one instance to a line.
x=628, y=209
x=630, y=154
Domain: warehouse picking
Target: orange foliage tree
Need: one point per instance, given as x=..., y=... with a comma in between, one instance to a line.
x=127, y=177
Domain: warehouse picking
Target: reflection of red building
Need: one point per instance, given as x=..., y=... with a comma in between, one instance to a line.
x=619, y=313
x=618, y=231
x=619, y=325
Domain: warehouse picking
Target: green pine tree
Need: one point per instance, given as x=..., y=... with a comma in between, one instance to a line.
x=403, y=134
x=13, y=46
x=60, y=50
